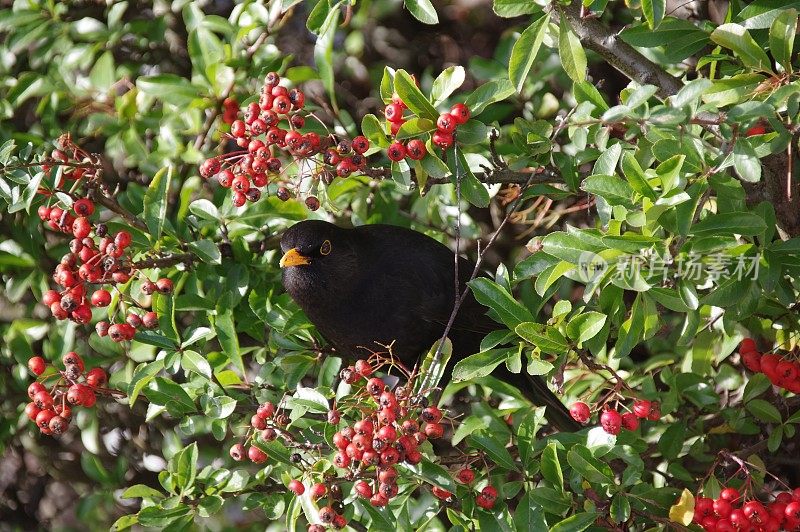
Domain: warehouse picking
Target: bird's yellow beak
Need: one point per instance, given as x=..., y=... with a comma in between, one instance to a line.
x=293, y=258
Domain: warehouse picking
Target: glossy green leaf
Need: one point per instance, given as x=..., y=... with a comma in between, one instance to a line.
x=523, y=54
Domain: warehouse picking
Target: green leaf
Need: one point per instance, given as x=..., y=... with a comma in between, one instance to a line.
x=446, y=83
x=141, y=491
x=183, y=466
x=496, y=297
x=671, y=442
x=169, y=88
x=416, y=101
x=155, y=202
x=679, y=38
x=415, y=127
x=613, y=189
x=489, y=93
x=528, y=515
x=745, y=161
x=548, y=339
x=432, y=368
x=228, y=337
x=763, y=411
x=204, y=209
x=550, y=466
x=158, y=517
x=165, y=392
x=736, y=38
x=469, y=425
x=620, y=508
x=437, y=475
x=102, y=73
x=653, y=11
x=575, y=523
x=514, y=8
x=775, y=439
x=757, y=384
x=570, y=247
x=523, y=54
x=635, y=176
x=372, y=129
x=479, y=364
x=494, y=448
x=323, y=52
x=781, y=37
x=570, y=50
x=593, y=470
x=729, y=223
x=423, y=11
x=585, y=326
x=193, y=361
x=207, y=251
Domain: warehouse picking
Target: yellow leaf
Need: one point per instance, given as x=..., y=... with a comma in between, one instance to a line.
x=722, y=429
x=683, y=510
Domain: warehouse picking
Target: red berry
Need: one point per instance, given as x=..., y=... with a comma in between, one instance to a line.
x=258, y=422
x=393, y=112
x=150, y=320
x=101, y=298
x=396, y=151
x=389, y=456
x=297, y=487
x=256, y=455
x=466, y=476
x=44, y=212
x=83, y=207
x=630, y=421
x=266, y=410
x=434, y=430
x=31, y=410
x=431, y=414
x=43, y=400
x=729, y=494
x=58, y=425
x=611, y=421
x=81, y=227
x=446, y=123
x=123, y=239
x=50, y=297
x=73, y=358
x=786, y=370
x=375, y=386
x=443, y=140
x=340, y=441
x=360, y=144
x=754, y=510
x=318, y=490
x=164, y=286
x=43, y=419
x=416, y=150
x=211, y=166
x=756, y=130
x=441, y=493
x=363, y=368
x=387, y=434
x=37, y=365
x=722, y=508
x=341, y=459
x=34, y=388
x=460, y=113
x=580, y=412
x=96, y=377
x=237, y=452
x=655, y=412
x=641, y=408
x=312, y=203
x=362, y=489
x=752, y=360
x=748, y=344
x=768, y=364
x=792, y=510
x=379, y=499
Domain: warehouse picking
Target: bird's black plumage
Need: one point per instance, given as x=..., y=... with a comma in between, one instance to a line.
x=381, y=284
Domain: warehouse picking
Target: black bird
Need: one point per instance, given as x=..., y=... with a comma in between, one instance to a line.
x=384, y=284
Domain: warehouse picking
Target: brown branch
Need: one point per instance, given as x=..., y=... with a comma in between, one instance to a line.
x=112, y=205
x=617, y=53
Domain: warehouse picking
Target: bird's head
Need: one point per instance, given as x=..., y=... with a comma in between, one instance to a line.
x=316, y=255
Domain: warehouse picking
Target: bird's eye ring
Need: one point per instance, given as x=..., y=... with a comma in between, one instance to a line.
x=325, y=248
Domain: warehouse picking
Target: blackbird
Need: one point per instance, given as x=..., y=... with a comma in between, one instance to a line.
x=382, y=284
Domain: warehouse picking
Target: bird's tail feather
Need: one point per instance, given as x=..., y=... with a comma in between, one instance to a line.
x=536, y=391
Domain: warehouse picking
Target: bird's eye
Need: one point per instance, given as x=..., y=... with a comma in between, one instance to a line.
x=325, y=248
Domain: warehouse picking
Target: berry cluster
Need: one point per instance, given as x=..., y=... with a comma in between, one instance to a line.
x=51, y=409
x=268, y=423
x=270, y=128
x=731, y=512
x=612, y=421
x=415, y=149
x=95, y=258
x=781, y=371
